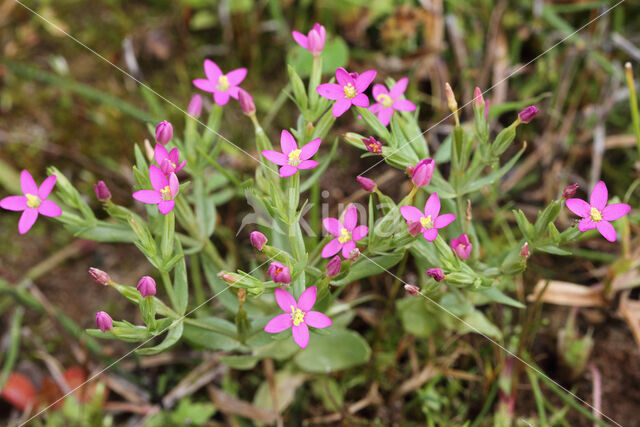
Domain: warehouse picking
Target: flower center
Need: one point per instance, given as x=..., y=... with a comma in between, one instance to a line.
x=385, y=100
x=596, y=215
x=294, y=157
x=33, y=201
x=375, y=148
x=426, y=222
x=166, y=193
x=223, y=83
x=297, y=315
x=349, y=91
x=345, y=236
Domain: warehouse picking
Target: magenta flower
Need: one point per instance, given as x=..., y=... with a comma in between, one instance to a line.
x=430, y=220
x=389, y=101
x=569, y=191
x=462, y=246
x=596, y=213
x=279, y=273
x=99, y=276
x=102, y=191
x=421, y=174
x=478, y=99
x=293, y=158
x=195, y=105
x=373, y=145
x=146, y=286
x=246, y=102
x=297, y=315
x=164, y=132
x=221, y=85
x=528, y=114
x=313, y=41
x=436, y=273
x=412, y=289
x=366, y=183
x=346, y=233
x=169, y=161
x=258, y=240
x=164, y=190
x=104, y=321
x=333, y=266
x=348, y=91
x=33, y=202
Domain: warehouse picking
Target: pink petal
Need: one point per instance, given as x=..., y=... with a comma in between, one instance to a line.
x=49, y=208
x=430, y=234
x=307, y=164
x=315, y=319
x=235, y=77
x=157, y=177
x=599, y=196
x=308, y=298
x=287, y=142
x=212, y=71
x=411, y=213
x=378, y=90
x=46, y=187
x=361, y=100
x=586, y=224
x=233, y=91
x=160, y=154
x=403, y=105
x=341, y=106
x=350, y=218
x=275, y=157
x=280, y=323
x=165, y=206
x=606, y=229
x=27, y=219
x=14, y=203
x=432, y=207
x=364, y=80
x=174, y=185
x=615, y=211
x=310, y=149
x=221, y=98
x=332, y=248
x=344, y=78
x=287, y=171
x=385, y=115
x=148, y=196
x=399, y=88
x=347, y=248
x=27, y=183
x=285, y=300
x=174, y=154
x=359, y=232
x=181, y=166
x=579, y=207
x=204, y=84
x=375, y=108
x=332, y=225
x=301, y=335
x=301, y=39
x=444, y=220
x=330, y=91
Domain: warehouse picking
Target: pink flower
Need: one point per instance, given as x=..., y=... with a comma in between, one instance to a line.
x=293, y=158
x=348, y=91
x=102, y=191
x=33, y=202
x=164, y=190
x=528, y=114
x=99, y=276
x=389, y=101
x=570, y=191
x=421, y=174
x=279, y=273
x=246, y=102
x=258, y=240
x=333, y=266
x=297, y=316
x=462, y=246
x=313, y=41
x=221, y=85
x=104, y=321
x=346, y=233
x=164, y=132
x=478, y=99
x=366, y=183
x=169, y=161
x=372, y=145
x=436, y=273
x=195, y=105
x=412, y=289
x=146, y=286
x=430, y=220
x=596, y=213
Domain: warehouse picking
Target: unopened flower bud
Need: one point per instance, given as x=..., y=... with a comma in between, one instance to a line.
x=146, y=286
x=333, y=266
x=164, y=132
x=354, y=254
x=451, y=98
x=422, y=173
x=104, y=321
x=366, y=183
x=570, y=191
x=478, y=99
x=246, y=102
x=230, y=278
x=258, y=240
x=99, y=276
x=524, y=251
x=415, y=228
x=436, y=273
x=412, y=289
x=528, y=114
x=102, y=191
x=195, y=106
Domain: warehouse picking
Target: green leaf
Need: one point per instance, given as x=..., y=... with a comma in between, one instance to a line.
x=477, y=322
x=287, y=383
x=416, y=317
x=203, y=338
x=341, y=349
x=550, y=249
x=172, y=337
x=181, y=286
x=493, y=176
x=496, y=295
x=241, y=362
x=366, y=267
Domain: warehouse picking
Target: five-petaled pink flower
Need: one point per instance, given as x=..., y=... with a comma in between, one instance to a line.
x=297, y=315
x=348, y=91
x=388, y=101
x=221, y=85
x=33, y=202
x=430, y=220
x=462, y=246
x=169, y=161
x=596, y=213
x=293, y=158
x=313, y=41
x=346, y=233
x=164, y=190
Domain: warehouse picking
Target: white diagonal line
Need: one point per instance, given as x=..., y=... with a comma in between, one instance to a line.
x=473, y=328
x=497, y=84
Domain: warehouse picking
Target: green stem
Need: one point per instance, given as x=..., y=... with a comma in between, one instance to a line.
x=539, y=398
x=211, y=327
x=314, y=81
x=168, y=236
x=168, y=287
x=633, y=103
x=295, y=233
x=14, y=345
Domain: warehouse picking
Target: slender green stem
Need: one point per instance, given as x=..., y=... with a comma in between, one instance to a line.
x=314, y=81
x=539, y=398
x=168, y=236
x=633, y=103
x=168, y=287
x=14, y=345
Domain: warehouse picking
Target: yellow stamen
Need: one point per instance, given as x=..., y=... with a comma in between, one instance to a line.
x=223, y=83
x=294, y=157
x=349, y=91
x=166, y=193
x=297, y=315
x=426, y=222
x=596, y=215
x=385, y=100
x=375, y=148
x=33, y=201
x=345, y=236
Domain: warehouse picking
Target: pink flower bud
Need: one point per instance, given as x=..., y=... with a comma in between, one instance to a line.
x=528, y=114
x=462, y=246
x=333, y=266
x=354, y=254
x=570, y=191
x=164, y=132
x=409, y=170
x=412, y=289
x=422, y=173
x=366, y=183
x=524, y=251
x=451, y=98
x=195, y=106
x=230, y=278
x=99, y=276
x=279, y=273
x=415, y=228
x=146, y=286
x=246, y=102
x=102, y=191
x=372, y=145
x=104, y=321
x=436, y=273
x=478, y=99
x=257, y=239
